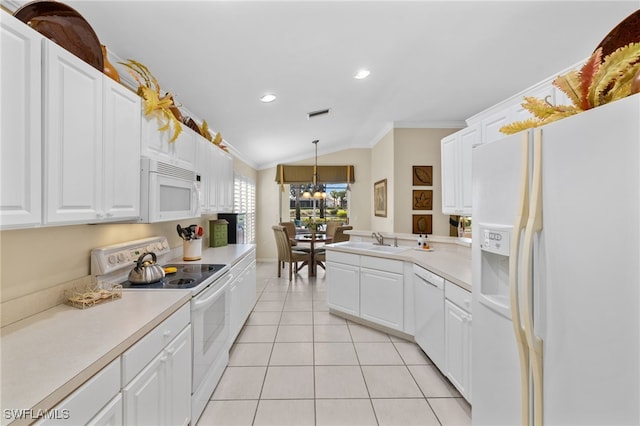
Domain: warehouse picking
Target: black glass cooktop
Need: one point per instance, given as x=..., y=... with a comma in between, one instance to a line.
x=187, y=276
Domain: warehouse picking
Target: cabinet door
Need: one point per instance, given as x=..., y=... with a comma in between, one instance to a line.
x=449, y=174
x=492, y=124
x=457, y=348
x=381, y=297
x=183, y=150
x=111, y=415
x=225, y=181
x=155, y=143
x=343, y=287
x=178, y=391
x=468, y=139
x=73, y=138
x=121, y=151
x=145, y=395
x=20, y=132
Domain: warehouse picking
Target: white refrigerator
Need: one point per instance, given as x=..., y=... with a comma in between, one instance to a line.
x=556, y=272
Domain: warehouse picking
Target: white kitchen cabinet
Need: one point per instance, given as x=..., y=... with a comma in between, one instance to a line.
x=91, y=143
x=215, y=167
x=457, y=347
x=89, y=400
x=242, y=291
x=161, y=393
x=155, y=143
x=121, y=151
x=382, y=291
x=111, y=415
x=456, y=170
x=72, y=137
x=343, y=282
x=20, y=132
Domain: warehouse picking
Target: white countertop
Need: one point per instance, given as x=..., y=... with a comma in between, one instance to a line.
x=229, y=254
x=449, y=260
x=47, y=356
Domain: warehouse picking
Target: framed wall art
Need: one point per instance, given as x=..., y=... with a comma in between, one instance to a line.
x=422, y=175
x=422, y=224
x=422, y=199
x=380, y=198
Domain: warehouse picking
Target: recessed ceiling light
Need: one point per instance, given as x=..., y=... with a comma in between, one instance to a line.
x=269, y=97
x=362, y=74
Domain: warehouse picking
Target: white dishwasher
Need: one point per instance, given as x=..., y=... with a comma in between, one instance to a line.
x=429, y=313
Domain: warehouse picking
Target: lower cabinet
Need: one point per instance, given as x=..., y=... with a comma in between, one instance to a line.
x=343, y=282
x=161, y=393
x=381, y=297
x=88, y=403
x=368, y=287
x=242, y=293
x=111, y=415
x=457, y=347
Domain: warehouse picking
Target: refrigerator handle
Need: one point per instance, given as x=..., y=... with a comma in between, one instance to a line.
x=534, y=225
x=519, y=225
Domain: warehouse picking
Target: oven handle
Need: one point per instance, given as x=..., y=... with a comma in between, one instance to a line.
x=199, y=304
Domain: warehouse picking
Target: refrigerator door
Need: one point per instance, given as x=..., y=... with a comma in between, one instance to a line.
x=495, y=365
x=587, y=277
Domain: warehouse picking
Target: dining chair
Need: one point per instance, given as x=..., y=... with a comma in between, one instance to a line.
x=291, y=232
x=286, y=253
x=331, y=228
x=320, y=258
x=339, y=235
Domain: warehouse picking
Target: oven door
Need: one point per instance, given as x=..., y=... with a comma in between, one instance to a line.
x=171, y=198
x=210, y=324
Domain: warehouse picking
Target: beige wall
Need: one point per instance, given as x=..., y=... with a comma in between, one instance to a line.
x=271, y=203
x=417, y=147
x=382, y=166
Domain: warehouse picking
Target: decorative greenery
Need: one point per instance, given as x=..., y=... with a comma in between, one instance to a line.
x=149, y=91
x=597, y=83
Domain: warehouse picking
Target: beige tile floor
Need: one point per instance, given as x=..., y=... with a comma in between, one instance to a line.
x=294, y=363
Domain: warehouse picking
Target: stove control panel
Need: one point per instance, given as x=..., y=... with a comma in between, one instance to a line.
x=109, y=259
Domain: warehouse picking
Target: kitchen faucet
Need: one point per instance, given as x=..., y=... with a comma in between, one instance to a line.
x=379, y=238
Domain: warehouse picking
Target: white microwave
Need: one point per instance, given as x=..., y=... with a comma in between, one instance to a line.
x=167, y=192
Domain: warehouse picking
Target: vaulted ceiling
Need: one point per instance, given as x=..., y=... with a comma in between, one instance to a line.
x=432, y=63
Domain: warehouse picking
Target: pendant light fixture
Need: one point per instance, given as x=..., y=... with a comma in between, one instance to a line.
x=316, y=189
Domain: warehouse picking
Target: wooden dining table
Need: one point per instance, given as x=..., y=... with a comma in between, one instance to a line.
x=312, y=240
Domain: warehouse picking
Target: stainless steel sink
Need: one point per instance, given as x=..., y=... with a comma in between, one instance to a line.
x=367, y=246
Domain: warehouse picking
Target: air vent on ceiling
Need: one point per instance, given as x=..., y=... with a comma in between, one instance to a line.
x=320, y=112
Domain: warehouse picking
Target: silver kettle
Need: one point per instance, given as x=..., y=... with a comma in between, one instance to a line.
x=146, y=272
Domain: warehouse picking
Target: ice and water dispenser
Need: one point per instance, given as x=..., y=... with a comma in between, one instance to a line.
x=495, y=244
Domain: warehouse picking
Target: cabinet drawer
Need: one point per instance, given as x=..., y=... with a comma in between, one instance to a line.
x=90, y=398
x=458, y=296
x=243, y=264
x=381, y=264
x=341, y=257
x=140, y=354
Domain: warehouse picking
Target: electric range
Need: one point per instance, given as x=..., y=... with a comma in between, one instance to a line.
x=113, y=263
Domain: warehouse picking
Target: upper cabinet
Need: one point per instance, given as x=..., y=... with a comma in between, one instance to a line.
x=70, y=146
x=156, y=145
x=20, y=142
x=91, y=143
x=456, y=170
x=215, y=168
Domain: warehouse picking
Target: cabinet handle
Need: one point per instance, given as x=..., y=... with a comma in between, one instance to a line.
x=109, y=214
x=166, y=333
x=99, y=215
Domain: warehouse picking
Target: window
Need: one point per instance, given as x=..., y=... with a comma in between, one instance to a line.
x=335, y=207
x=244, y=191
